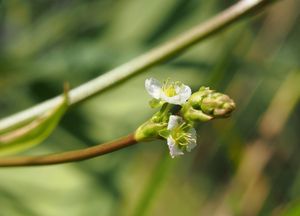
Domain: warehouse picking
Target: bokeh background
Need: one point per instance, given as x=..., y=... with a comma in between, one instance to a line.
x=245, y=165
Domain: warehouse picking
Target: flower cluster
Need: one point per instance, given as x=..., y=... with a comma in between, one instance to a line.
x=177, y=126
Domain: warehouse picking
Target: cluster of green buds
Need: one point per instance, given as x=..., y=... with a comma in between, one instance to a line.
x=179, y=111
x=207, y=104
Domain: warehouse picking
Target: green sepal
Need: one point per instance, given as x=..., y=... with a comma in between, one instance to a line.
x=158, y=122
x=165, y=133
x=149, y=131
x=155, y=103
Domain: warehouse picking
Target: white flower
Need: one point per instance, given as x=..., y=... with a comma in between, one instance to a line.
x=170, y=92
x=182, y=136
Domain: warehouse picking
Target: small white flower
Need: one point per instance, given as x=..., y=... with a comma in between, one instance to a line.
x=170, y=92
x=182, y=137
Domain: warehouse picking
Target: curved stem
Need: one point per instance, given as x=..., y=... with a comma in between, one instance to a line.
x=70, y=156
x=141, y=63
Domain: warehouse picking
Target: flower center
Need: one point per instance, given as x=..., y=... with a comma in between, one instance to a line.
x=181, y=136
x=169, y=88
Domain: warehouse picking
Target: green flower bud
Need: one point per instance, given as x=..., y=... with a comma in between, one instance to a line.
x=152, y=128
x=207, y=104
x=149, y=131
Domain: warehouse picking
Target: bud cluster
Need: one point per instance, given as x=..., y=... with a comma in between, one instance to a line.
x=207, y=104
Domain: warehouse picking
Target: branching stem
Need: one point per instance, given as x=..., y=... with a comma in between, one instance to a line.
x=116, y=76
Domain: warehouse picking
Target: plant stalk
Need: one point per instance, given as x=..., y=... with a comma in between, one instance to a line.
x=70, y=156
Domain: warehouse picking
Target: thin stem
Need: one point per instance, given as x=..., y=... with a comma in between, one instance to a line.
x=141, y=63
x=70, y=156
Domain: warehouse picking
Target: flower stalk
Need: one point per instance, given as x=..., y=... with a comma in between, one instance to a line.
x=69, y=156
x=165, y=124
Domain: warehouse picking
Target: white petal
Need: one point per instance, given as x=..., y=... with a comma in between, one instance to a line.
x=171, y=100
x=174, y=121
x=183, y=94
x=153, y=87
x=174, y=150
x=193, y=142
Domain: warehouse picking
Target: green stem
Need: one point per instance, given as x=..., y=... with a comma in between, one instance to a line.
x=141, y=63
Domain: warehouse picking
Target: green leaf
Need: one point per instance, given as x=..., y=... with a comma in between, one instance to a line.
x=34, y=132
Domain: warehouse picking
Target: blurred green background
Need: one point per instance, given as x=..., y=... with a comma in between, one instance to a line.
x=245, y=165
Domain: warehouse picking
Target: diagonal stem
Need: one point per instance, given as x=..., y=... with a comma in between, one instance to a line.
x=141, y=63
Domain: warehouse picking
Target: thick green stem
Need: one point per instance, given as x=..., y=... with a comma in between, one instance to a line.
x=141, y=63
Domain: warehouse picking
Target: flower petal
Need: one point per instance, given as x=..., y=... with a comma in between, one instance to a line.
x=174, y=150
x=171, y=100
x=174, y=121
x=193, y=142
x=153, y=87
x=185, y=93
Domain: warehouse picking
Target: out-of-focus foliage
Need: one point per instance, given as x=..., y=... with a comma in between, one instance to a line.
x=245, y=165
